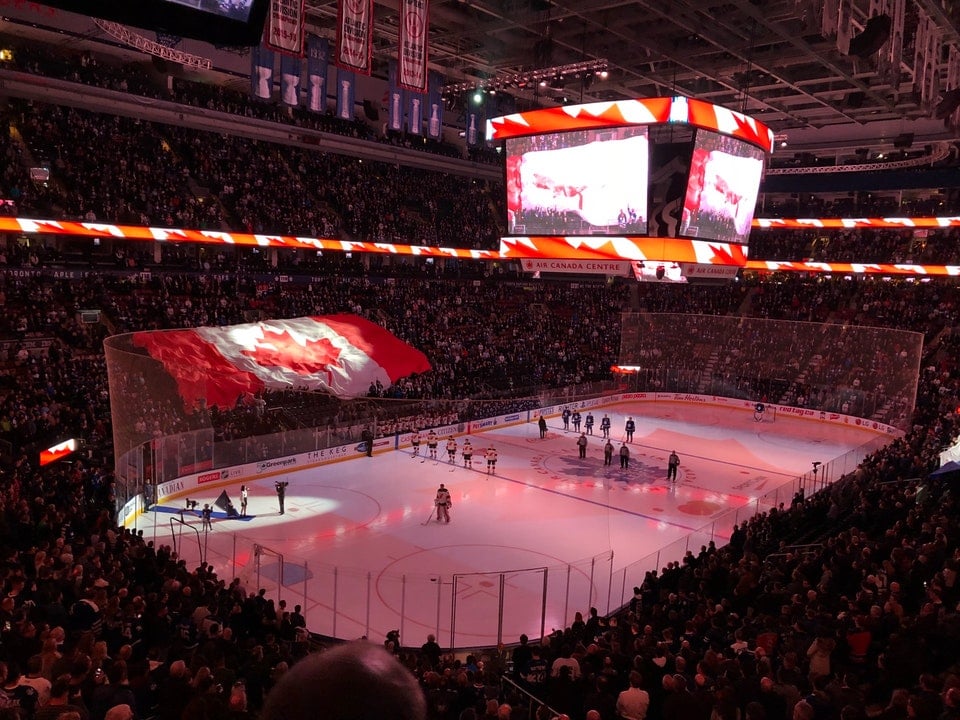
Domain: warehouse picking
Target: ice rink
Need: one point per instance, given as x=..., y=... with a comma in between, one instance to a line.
x=548, y=535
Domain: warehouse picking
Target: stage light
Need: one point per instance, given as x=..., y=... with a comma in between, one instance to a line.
x=478, y=97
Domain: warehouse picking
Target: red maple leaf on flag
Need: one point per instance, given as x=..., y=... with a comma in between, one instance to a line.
x=281, y=350
x=724, y=256
x=748, y=132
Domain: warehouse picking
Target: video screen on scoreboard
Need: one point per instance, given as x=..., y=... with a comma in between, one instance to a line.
x=585, y=182
x=233, y=9
x=219, y=22
x=722, y=188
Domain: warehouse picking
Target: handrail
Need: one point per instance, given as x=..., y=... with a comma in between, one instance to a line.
x=531, y=696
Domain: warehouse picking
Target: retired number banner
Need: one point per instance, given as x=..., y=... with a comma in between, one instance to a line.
x=355, y=35
x=414, y=23
x=285, y=26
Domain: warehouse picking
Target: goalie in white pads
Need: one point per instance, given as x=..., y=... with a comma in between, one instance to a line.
x=443, y=503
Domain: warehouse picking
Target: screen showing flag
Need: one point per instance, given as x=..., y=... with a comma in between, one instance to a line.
x=58, y=451
x=585, y=182
x=721, y=188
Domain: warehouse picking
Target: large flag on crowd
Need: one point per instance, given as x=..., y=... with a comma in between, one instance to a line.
x=338, y=354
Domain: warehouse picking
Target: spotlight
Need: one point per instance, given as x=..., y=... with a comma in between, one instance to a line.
x=478, y=97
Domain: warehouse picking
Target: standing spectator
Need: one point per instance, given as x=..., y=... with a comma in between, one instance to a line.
x=633, y=703
x=431, y=651
x=819, y=656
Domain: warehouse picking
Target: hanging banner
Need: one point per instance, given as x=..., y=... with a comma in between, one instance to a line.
x=414, y=24
x=435, y=107
x=290, y=80
x=474, y=120
x=318, y=57
x=415, y=103
x=285, y=23
x=261, y=72
x=394, y=100
x=346, y=91
x=355, y=35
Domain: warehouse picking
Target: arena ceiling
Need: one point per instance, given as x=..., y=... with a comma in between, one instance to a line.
x=765, y=57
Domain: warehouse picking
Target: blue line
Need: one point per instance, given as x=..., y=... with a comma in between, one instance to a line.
x=594, y=502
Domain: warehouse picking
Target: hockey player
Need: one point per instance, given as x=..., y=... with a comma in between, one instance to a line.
x=432, y=444
x=605, y=426
x=491, y=455
x=588, y=423
x=451, y=449
x=565, y=415
x=576, y=420
x=467, y=454
x=443, y=503
x=629, y=429
x=415, y=441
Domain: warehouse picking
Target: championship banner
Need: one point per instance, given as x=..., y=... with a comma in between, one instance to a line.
x=346, y=91
x=394, y=99
x=290, y=80
x=435, y=107
x=474, y=121
x=414, y=23
x=415, y=113
x=285, y=22
x=261, y=72
x=355, y=35
x=318, y=58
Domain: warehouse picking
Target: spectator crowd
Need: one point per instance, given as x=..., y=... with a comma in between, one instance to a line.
x=842, y=606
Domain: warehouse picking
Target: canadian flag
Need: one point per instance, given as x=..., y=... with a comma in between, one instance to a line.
x=339, y=354
x=57, y=452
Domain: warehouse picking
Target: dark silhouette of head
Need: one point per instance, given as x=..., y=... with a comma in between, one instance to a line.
x=350, y=682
